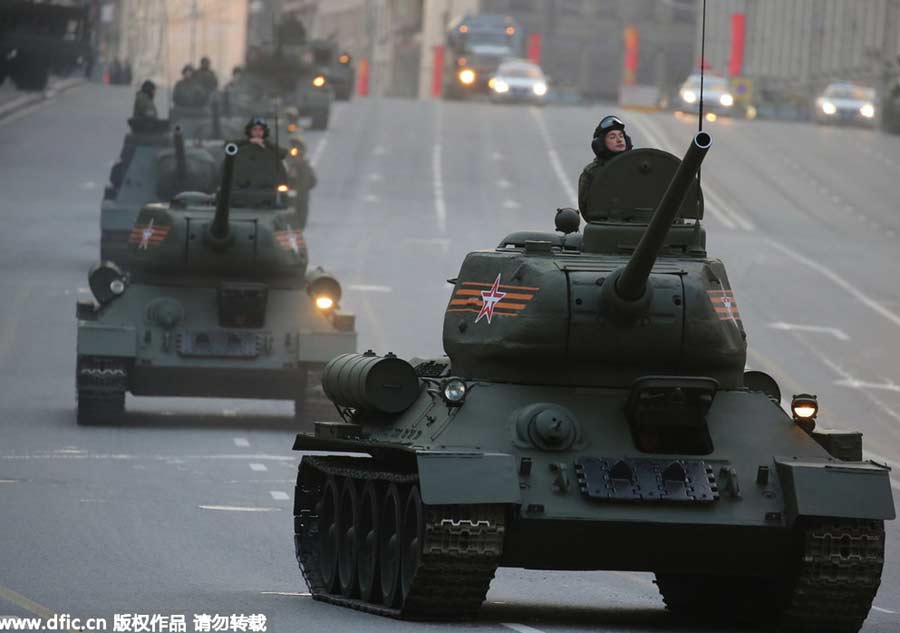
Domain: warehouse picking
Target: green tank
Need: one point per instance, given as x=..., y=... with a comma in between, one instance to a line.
x=154, y=164
x=206, y=122
x=593, y=412
x=218, y=300
x=282, y=76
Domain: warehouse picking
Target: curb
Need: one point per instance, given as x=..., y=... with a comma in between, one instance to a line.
x=55, y=89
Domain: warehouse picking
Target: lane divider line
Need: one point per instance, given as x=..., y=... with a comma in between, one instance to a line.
x=278, y=495
x=521, y=628
x=26, y=603
x=239, y=508
x=242, y=442
x=555, y=162
x=259, y=468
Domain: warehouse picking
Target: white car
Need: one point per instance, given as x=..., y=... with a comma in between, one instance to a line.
x=717, y=97
x=844, y=102
x=518, y=80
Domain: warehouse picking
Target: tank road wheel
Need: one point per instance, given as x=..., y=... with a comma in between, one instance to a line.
x=369, y=517
x=101, y=384
x=348, y=552
x=411, y=538
x=838, y=575
x=329, y=533
x=389, y=547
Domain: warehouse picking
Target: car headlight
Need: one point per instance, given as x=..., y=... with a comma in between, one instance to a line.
x=467, y=76
x=500, y=86
x=726, y=100
x=319, y=81
x=689, y=96
x=539, y=89
x=868, y=110
x=828, y=107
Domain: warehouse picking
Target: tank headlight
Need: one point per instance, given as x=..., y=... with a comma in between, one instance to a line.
x=319, y=81
x=828, y=107
x=292, y=127
x=295, y=151
x=539, y=89
x=500, y=86
x=344, y=59
x=868, y=110
x=726, y=100
x=805, y=408
x=689, y=96
x=454, y=392
x=323, y=288
x=107, y=281
x=324, y=303
x=467, y=76
x=283, y=188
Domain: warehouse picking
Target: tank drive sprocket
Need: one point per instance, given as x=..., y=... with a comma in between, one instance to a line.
x=441, y=559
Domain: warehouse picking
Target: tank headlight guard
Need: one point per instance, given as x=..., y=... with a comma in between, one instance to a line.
x=454, y=391
x=324, y=290
x=805, y=408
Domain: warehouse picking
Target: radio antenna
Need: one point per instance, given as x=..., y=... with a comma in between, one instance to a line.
x=702, y=65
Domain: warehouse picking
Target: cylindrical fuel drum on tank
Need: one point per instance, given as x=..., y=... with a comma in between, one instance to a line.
x=385, y=384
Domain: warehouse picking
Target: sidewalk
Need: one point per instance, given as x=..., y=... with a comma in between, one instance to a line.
x=12, y=100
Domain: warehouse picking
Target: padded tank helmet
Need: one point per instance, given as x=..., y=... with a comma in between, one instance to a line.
x=253, y=122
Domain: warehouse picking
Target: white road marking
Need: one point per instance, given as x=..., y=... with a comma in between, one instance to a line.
x=368, y=288
x=285, y=593
x=883, y=610
x=376, y=177
x=230, y=413
x=89, y=185
x=511, y=204
x=239, y=508
x=440, y=206
x=821, y=329
x=317, y=153
x=380, y=150
x=258, y=468
x=371, y=197
x=497, y=156
x=241, y=441
x=538, y=116
x=521, y=628
x=503, y=183
x=9, y=481
x=839, y=281
x=278, y=495
x=853, y=383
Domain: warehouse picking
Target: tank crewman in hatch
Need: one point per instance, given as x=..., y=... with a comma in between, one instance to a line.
x=144, y=108
x=609, y=141
x=188, y=92
x=206, y=78
x=260, y=162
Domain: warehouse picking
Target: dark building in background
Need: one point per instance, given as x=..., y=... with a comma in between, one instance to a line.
x=582, y=42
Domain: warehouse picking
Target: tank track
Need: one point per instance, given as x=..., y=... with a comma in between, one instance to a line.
x=830, y=590
x=459, y=556
x=838, y=576
x=101, y=384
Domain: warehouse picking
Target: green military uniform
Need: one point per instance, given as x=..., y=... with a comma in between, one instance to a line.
x=188, y=93
x=585, y=181
x=207, y=80
x=144, y=106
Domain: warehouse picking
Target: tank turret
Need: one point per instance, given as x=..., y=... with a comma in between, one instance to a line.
x=632, y=295
x=244, y=231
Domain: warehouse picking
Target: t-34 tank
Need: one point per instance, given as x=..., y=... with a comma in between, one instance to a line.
x=154, y=165
x=593, y=413
x=206, y=122
x=217, y=301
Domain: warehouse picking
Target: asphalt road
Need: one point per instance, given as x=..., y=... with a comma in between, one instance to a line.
x=185, y=507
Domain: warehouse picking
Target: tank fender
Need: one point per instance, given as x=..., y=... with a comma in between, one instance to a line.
x=447, y=477
x=96, y=339
x=822, y=488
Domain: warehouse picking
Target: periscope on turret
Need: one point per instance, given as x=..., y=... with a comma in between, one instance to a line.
x=217, y=301
x=593, y=412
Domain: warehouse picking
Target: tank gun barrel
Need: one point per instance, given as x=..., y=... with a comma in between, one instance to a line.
x=631, y=283
x=181, y=167
x=218, y=229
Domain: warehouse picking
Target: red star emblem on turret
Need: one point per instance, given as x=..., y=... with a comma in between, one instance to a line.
x=490, y=298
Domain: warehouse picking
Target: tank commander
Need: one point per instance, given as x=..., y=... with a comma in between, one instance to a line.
x=144, y=108
x=206, y=77
x=260, y=163
x=609, y=141
x=187, y=92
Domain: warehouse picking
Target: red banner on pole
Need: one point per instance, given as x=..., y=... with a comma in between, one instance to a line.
x=632, y=50
x=362, y=85
x=534, y=48
x=738, y=38
x=437, y=72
